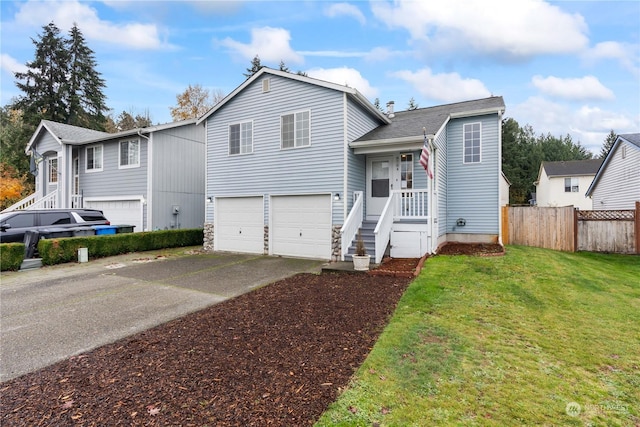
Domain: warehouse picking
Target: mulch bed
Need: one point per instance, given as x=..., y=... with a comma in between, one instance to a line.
x=399, y=267
x=277, y=356
x=481, y=249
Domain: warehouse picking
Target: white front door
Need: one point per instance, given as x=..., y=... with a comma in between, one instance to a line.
x=380, y=178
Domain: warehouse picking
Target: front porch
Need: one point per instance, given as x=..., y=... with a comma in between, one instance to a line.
x=404, y=224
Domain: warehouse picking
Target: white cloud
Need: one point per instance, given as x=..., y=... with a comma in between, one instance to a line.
x=587, y=125
x=445, y=87
x=583, y=88
x=345, y=9
x=270, y=44
x=627, y=55
x=65, y=13
x=345, y=76
x=505, y=28
x=11, y=65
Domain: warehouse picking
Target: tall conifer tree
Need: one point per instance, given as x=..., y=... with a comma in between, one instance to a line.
x=85, y=99
x=44, y=84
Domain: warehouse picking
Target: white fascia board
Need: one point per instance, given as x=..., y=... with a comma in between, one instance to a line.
x=482, y=112
x=412, y=143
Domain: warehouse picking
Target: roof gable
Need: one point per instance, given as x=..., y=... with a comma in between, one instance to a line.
x=351, y=92
x=634, y=141
x=63, y=133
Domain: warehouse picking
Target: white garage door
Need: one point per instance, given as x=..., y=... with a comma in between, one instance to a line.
x=119, y=212
x=301, y=226
x=239, y=224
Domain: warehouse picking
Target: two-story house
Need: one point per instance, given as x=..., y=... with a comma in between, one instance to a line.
x=565, y=183
x=152, y=178
x=295, y=166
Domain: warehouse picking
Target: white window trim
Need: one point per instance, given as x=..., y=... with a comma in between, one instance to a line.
x=132, y=165
x=295, y=146
x=572, y=180
x=464, y=161
x=412, y=168
x=86, y=158
x=240, y=153
x=50, y=170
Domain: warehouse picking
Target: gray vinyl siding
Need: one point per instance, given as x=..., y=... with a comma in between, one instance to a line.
x=178, y=177
x=473, y=189
x=619, y=183
x=440, y=178
x=268, y=170
x=112, y=181
x=359, y=123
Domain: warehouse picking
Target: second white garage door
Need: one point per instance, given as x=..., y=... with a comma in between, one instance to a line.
x=239, y=224
x=301, y=226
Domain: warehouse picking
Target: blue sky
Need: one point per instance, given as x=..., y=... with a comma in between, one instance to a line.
x=564, y=67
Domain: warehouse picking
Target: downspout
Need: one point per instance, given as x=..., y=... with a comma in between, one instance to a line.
x=500, y=177
x=147, y=202
x=345, y=167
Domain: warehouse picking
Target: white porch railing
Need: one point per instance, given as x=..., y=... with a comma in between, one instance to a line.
x=22, y=204
x=50, y=201
x=76, y=201
x=352, y=224
x=382, y=231
x=411, y=204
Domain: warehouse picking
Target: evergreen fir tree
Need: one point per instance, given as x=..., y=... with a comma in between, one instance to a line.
x=255, y=67
x=44, y=84
x=85, y=99
x=608, y=143
x=412, y=104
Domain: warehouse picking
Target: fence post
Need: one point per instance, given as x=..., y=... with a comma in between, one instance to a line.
x=636, y=218
x=575, y=230
x=505, y=225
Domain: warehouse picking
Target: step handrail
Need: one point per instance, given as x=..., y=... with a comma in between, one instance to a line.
x=352, y=224
x=382, y=231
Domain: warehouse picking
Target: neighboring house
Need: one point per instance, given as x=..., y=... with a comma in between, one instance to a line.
x=296, y=165
x=504, y=190
x=565, y=183
x=617, y=183
x=152, y=178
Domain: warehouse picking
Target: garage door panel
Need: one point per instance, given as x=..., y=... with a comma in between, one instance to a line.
x=119, y=212
x=239, y=224
x=301, y=226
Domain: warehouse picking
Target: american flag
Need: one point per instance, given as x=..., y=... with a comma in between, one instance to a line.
x=424, y=158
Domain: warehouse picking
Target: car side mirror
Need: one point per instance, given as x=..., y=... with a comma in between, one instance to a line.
x=5, y=227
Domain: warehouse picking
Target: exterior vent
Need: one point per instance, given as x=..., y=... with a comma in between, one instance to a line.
x=390, y=112
x=266, y=85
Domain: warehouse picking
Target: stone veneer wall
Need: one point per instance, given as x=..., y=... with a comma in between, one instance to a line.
x=265, y=249
x=207, y=245
x=336, y=243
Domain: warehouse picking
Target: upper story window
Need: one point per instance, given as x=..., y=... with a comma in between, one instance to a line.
x=472, y=143
x=129, y=153
x=53, y=170
x=295, y=130
x=94, y=158
x=241, y=138
x=571, y=185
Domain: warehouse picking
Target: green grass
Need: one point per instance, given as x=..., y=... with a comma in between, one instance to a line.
x=503, y=341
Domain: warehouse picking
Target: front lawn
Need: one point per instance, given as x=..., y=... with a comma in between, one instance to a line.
x=536, y=337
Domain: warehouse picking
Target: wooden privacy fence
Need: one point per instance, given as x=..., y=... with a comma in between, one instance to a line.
x=570, y=229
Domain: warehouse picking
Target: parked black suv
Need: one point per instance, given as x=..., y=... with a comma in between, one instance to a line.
x=14, y=224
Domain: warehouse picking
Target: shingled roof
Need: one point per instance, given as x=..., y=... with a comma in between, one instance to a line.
x=411, y=123
x=572, y=167
x=70, y=133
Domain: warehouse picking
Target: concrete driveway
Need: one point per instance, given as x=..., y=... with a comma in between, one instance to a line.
x=56, y=312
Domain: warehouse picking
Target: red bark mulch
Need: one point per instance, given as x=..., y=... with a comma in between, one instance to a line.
x=277, y=356
x=481, y=249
